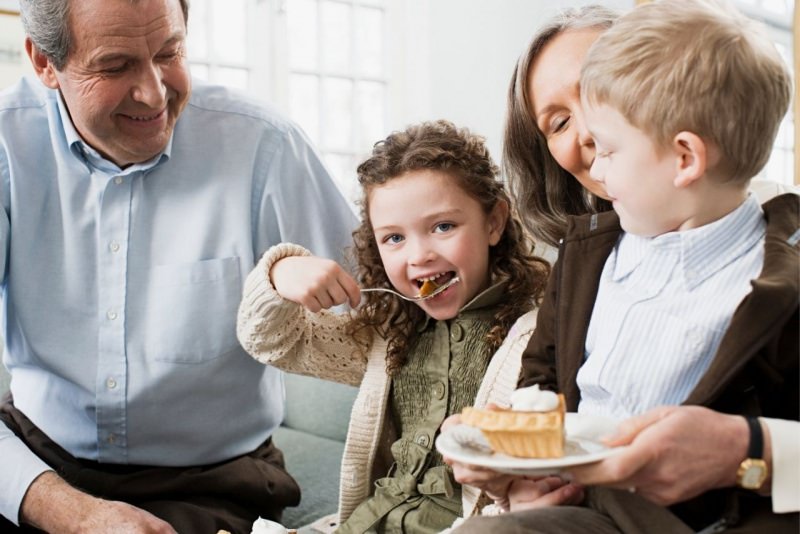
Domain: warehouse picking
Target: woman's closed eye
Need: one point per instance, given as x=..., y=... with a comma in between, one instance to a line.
x=558, y=123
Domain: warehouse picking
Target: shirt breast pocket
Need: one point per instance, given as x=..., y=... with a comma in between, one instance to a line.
x=191, y=312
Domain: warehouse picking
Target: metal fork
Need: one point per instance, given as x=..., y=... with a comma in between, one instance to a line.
x=435, y=292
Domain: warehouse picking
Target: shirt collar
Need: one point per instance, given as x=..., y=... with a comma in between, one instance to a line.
x=701, y=251
x=92, y=158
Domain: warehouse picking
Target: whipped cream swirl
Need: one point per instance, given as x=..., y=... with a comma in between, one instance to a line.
x=532, y=399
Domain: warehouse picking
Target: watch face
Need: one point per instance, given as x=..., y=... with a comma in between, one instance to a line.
x=752, y=474
x=752, y=477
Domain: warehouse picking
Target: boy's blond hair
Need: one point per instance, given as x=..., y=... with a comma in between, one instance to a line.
x=697, y=66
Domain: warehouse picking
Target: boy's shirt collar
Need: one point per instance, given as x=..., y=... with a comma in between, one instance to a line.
x=702, y=251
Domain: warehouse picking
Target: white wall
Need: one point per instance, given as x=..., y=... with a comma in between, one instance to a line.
x=460, y=55
x=13, y=59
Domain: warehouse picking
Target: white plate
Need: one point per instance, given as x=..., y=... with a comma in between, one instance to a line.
x=467, y=445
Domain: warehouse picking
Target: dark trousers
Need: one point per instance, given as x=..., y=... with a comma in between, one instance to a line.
x=228, y=495
x=608, y=511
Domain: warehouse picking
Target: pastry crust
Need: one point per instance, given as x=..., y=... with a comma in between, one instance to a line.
x=521, y=434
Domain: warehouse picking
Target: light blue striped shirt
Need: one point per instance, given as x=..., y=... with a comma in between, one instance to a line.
x=120, y=287
x=662, y=308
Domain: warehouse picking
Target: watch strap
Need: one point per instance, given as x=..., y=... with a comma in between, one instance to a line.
x=756, y=447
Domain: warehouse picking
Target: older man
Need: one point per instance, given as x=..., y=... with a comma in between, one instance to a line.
x=132, y=209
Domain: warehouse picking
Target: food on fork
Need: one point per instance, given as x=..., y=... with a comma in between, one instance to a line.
x=427, y=289
x=532, y=428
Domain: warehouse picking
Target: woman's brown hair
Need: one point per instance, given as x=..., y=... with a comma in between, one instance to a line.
x=462, y=155
x=546, y=194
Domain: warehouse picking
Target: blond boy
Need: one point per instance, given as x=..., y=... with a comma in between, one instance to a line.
x=688, y=292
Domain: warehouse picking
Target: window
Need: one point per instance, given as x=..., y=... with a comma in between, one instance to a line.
x=337, y=81
x=777, y=15
x=322, y=62
x=217, y=42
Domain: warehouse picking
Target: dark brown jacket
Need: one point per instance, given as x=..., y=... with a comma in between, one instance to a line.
x=754, y=372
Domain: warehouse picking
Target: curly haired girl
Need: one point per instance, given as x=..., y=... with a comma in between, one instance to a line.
x=433, y=213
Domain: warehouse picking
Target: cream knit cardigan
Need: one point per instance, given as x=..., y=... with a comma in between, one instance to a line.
x=284, y=334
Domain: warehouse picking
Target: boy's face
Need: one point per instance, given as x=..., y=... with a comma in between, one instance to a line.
x=638, y=176
x=427, y=226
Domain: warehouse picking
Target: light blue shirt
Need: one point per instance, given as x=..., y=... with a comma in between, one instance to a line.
x=662, y=308
x=120, y=287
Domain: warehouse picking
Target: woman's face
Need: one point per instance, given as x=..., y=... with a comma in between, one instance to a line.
x=554, y=90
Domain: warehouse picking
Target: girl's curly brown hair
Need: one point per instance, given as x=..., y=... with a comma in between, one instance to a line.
x=442, y=147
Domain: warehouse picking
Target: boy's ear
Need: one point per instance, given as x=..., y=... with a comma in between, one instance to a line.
x=41, y=65
x=694, y=157
x=497, y=221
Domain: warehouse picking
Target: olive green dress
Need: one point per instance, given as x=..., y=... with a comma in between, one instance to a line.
x=442, y=375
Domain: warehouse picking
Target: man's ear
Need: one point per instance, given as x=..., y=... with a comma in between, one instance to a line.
x=694, y=157
x=41, y=65
x=498, y=218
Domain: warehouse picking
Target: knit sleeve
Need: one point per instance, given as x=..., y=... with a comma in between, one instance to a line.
x=282, y=333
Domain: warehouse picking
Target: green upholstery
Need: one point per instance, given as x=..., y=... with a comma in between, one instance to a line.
x=312, y=440
x=4, y=380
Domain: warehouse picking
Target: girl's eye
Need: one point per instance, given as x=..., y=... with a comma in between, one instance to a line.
x=443, y=227
x=394, y=238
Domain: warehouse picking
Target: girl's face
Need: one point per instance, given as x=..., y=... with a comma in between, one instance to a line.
x=554, y=90
x=426, y=226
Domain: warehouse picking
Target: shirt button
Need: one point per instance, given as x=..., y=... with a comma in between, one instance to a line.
x=118, y=180
x=111, y=314
x=423, y=440
x=112, y=438
x=114, y=246
x=456, y=332
x=111, y=383
x=438, y=390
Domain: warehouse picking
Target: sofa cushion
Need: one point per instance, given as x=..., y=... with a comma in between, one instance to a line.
x=5, y=378
x=314, y=462
x=317, y=406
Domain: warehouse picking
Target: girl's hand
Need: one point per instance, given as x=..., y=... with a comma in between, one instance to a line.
x=315, y=283
x=492, y=483
x=538, y=492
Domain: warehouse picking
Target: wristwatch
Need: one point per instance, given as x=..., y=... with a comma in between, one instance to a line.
x=753, y=470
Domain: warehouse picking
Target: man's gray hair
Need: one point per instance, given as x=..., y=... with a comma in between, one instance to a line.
x=46, y=22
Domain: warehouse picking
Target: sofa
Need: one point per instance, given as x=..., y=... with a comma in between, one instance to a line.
x=312, y=440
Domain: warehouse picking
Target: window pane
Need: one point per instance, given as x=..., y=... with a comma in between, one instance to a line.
x=371, y=113
x=230, y=30
x=369, y=41
x=781, y=7
x=343, y=170
x=302, y=27
x=304, y=103
x=196, y=37
x=336, y=37
x=337, y=100
x=232, y=77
